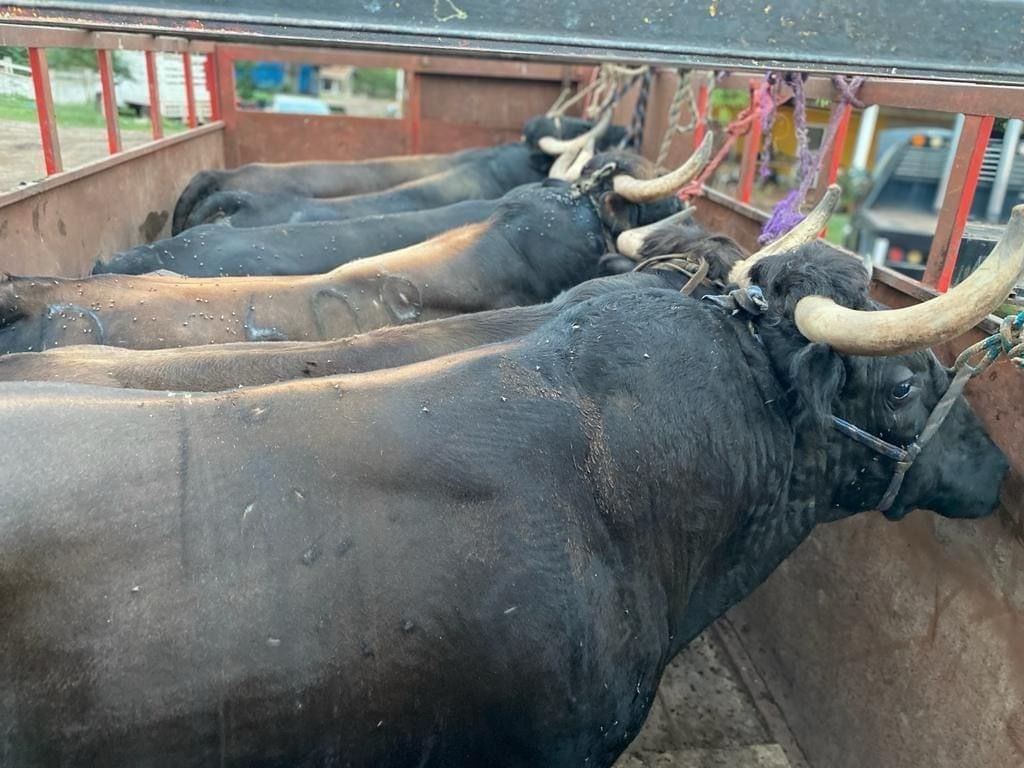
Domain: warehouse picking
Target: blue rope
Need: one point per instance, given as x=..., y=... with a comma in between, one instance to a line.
x=1008, y=340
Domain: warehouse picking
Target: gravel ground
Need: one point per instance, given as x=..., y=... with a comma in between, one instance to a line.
x=21, y=155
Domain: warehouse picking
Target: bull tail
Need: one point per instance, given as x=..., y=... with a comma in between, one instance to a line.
x=219, y=205
x=202, y=185
x=11, y=308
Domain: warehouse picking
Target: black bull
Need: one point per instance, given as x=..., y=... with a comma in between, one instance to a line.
x=216, y=367
x=480, y=173
x=484, y=559
x=212, y=250
x=543, y=239
x=223, y=366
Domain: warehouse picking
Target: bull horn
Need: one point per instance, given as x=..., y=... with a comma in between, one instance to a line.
x=895, y=331
x=804, y=232
x=569, y=166
x=552, y=146
x=646, y=190
x=631, y=241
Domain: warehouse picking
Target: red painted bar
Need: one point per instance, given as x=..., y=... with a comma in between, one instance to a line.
x=109, y=100
x=839, y=143
x=152, y=79
x=44, y=111
x=210, y=70
x=190, y=94
x=412, y=84
x=702, y=109
x=751, y=147
x=963, y=179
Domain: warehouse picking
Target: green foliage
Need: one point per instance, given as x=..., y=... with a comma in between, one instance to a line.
x=66, y=58
x=725, y=103
x=15, y=54
x=379, y=83
x=245, y=86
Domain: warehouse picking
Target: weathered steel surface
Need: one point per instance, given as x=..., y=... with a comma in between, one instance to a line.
x=901, y=645
x=451, y=104
x=979, y=40
x=277, y=138
x=60, y=226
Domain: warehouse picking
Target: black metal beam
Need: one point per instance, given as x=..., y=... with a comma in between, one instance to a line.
x=977, y=40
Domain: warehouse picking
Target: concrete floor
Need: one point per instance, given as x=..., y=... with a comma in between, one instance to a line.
x=704, y=717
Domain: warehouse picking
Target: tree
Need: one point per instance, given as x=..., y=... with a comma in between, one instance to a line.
x=65, y=58
x=14, y=53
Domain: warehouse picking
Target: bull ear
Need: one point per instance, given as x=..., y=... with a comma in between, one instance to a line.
x=617, y=213
x=615, y=264
x=816, y=377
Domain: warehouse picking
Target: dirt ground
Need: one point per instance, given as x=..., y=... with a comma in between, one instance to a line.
x=21, y=155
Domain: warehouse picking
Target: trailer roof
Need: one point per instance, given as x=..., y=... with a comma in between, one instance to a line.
x=977, y=40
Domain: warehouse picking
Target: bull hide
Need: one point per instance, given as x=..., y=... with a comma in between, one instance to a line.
x=541, y=240
x=484, y=173
x=213, y=250
x=217, y=367
x=483, y=559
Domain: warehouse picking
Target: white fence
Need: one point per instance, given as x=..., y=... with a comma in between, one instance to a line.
x=82, y=86
x=15, y=80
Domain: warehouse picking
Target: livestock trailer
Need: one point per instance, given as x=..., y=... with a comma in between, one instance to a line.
x=876, y=644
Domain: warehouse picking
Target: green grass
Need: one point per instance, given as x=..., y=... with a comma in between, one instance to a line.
x=78, y=115
x=835, y=228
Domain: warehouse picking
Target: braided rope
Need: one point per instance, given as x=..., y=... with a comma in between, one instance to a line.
x=786, y=214
x=635, y=135
x=560, y=107
x=739, y=126
x=672, y=128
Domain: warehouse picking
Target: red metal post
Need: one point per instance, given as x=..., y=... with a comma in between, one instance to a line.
x=210, y=71
x=190, y=94
x=44, y=111
x=751, y=147
x=412, y=90
x=838, y=143
x=109, y=100
x=963, y=179
x=152, y=79
x=702, y=110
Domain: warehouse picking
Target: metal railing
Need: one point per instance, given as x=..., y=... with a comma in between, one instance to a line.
x=37, y=39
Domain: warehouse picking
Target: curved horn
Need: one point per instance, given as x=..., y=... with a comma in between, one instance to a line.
x=585, y=155
x=569, y=166
x=894, y=331
x=631, y=241
x=804, y=232
x=643, y=191
x=552, y=146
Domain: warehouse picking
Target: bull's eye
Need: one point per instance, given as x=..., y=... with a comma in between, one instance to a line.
x=902, y=390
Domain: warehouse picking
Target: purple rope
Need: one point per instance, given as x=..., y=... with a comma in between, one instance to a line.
x=769, y=98
x=786, y=213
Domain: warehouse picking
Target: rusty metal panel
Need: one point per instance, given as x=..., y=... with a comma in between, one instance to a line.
x=440, y=136
x=900, y=644
x=451, y=104
x=62, y=225
x=278, y=138
x=484, y=102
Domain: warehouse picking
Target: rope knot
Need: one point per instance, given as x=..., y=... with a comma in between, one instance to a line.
x=750, y=300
